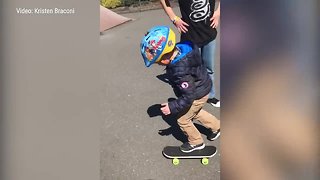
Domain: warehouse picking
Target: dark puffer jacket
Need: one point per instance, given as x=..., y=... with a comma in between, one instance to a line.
x=190, y=79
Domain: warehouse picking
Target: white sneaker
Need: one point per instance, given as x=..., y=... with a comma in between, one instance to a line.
x=214, y=102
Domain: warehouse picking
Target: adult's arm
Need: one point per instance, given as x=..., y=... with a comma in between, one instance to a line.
x=179, y=23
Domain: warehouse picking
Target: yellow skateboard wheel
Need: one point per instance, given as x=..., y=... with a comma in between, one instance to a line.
x=175, y=161
x=205, y=161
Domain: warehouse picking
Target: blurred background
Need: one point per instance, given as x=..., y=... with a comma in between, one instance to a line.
x=270, y=89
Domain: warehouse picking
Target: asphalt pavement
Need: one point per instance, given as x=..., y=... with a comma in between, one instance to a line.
x=131, y=147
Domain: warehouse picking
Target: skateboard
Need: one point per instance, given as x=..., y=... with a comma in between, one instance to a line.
x=174, y=153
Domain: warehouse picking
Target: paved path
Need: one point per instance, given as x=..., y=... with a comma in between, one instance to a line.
x=130, y=144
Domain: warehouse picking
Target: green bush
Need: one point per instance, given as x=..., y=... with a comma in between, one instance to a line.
x=129, y=2
x=116, y=3
x=110, y=3
x=132, y=2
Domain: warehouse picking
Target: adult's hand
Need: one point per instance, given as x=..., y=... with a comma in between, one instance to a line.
x=215, y=19
x=181, y=25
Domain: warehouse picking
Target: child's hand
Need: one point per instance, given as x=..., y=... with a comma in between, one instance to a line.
x=165, y=108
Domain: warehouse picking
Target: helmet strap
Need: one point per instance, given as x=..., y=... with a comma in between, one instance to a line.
x=175, y=53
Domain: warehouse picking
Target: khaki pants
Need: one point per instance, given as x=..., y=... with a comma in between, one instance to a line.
x=197, y=113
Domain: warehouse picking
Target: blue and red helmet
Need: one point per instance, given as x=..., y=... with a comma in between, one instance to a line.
x=158, y=41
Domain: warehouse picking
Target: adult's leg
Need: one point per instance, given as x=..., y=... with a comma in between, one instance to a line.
x=208, y=54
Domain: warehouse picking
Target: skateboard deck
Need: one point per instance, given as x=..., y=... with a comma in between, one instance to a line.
x=174, y=152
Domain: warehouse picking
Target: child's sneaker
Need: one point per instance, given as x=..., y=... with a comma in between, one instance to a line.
x=213, y=135
x=214, y=102
x=186, y=147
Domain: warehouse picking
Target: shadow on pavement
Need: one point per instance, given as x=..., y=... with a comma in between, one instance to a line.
x=171, y=120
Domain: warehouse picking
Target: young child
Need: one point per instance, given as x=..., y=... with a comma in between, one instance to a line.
x=189, y=77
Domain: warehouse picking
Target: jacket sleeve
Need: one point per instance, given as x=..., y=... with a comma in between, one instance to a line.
x=186, y=87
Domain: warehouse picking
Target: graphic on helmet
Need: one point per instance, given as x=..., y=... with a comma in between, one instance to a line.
x=158, y=41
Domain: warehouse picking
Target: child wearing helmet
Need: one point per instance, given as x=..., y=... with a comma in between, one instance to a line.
x=189, y=77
